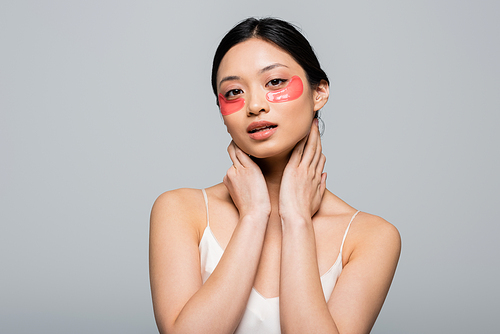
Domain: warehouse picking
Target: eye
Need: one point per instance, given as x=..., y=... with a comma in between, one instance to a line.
x=233, y=93
x=275, y=83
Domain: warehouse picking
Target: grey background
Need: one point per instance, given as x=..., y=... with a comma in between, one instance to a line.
x=106, y=104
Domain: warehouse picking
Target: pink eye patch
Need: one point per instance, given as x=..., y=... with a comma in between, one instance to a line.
x=291, y=92
x=228, y=107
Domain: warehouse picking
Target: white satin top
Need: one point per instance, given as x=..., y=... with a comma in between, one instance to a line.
x=261, y=314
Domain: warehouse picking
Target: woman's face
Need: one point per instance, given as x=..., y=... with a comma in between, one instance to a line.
x=265, y=98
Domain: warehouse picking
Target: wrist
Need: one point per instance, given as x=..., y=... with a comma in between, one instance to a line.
x=295, y=219
x=255, y=217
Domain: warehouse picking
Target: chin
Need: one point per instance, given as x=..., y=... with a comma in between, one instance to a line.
x=274, y=147
x=261, y=155
x=264, y=152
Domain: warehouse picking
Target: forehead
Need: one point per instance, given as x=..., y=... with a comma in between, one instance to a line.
x=253, y=55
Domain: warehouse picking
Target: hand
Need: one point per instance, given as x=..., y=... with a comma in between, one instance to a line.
x=246, y=184
x=303, y=183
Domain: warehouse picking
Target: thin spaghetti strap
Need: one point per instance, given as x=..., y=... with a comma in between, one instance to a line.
x=206, y=205
x=347, y=230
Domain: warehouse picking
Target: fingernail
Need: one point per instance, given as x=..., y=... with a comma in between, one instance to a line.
x=316, y=121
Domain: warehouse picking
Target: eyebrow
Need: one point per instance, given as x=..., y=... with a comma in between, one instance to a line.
x=265, y=69
x=270, y=67
x=229, y=78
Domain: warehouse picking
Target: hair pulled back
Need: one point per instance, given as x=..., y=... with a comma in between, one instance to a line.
x=281, y=33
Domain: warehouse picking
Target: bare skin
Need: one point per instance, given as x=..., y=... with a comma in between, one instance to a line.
x=280, y=227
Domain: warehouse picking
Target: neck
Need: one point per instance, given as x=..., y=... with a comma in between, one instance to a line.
x=272, y=168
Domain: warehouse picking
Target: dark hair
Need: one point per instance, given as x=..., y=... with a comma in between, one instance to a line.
x=281, y=33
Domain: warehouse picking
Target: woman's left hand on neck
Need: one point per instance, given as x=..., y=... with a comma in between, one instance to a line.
x=304, y=182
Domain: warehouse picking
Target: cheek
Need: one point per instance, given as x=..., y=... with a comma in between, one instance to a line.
x=230, y=107
x=291, y=92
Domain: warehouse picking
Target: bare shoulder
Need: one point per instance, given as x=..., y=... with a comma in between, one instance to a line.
x=179, y=198
x=372, y=228
x=184, y=206
x=367, y=232
x=371, y=234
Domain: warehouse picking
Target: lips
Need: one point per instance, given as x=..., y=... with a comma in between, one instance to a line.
x=260, y=126
x=261, y=130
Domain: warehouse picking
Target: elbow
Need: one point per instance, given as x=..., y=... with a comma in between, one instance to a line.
x=165, y=326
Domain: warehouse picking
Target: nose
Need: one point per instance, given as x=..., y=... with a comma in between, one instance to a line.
x=256, y=102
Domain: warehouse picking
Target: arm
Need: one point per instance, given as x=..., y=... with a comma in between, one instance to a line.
x=182, y=304
x=361, y=289
x=365, y=280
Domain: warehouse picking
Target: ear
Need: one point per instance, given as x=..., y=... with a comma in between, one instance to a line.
x=321, y=94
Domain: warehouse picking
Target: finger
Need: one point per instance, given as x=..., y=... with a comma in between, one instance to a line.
x=231, y=149
x=243, y=158
x=226, y=180
x=322, y=186
x=310, y=147
x=321, y=165
x=318, y=153
x=296, y=156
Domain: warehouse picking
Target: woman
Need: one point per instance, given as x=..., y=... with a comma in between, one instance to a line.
x=277, y=251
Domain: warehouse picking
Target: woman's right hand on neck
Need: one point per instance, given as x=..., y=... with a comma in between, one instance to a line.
x=246, y=184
